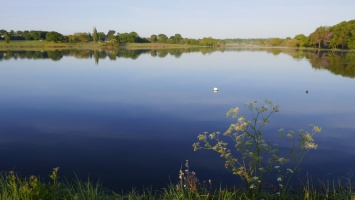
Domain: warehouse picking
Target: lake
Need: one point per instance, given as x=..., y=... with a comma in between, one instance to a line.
x=129, y=118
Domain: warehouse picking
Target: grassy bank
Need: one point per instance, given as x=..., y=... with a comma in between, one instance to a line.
x=15, y=187
x=44, y=45
x=256, y=46
x=132, y=46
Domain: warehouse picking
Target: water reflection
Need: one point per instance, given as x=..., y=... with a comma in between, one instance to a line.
x=99, y=54
x=337, y=62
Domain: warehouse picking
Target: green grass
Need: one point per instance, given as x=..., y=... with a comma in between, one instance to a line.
x=14, y=187
x=157, y=46
x=44, y=45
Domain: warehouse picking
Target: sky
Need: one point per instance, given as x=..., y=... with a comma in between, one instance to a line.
x=191, y=18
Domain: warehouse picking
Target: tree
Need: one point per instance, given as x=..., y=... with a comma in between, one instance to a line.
x=162, y=38
x=109, y=34
x=43, y=35
x=153, y=38
x=94, y=35
x=54, y=37
x=36, y=35
x=19, y=33
x=171, y=40
x=177, y=38
x=276, y=41
x=320, y=36
x=7, y=37
x=101, y=36
x=208, y=42
x=79, y=37
x=134, y=34
x=343, y=35
x=302, y=40
x=2, y=32
x=192, y=42
x=291, y=43
x=27, y=35
x=126, y=38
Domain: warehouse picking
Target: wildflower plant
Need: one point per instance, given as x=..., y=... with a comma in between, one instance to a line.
x=190, y=184
x=252, y=157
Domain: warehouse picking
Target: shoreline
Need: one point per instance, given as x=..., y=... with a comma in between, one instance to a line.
x=44, y=45
x=231, y=46
x=52, y=46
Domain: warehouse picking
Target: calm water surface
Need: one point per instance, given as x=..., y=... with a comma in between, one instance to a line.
x=129, y=118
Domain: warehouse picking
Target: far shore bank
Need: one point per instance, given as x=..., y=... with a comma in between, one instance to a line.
x=51, y=46
x=44, y=45
x=237, y=46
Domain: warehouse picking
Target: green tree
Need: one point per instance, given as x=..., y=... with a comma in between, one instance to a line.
x=177, y=38
x=208, y=42
x=291, y=43
x=126, y=38
x=162, y=38
x=276, y=41
x=36, y=35
x=135, y=37
x=19, y=33
x=112, y=38
x=79, y=37
x=2, y=32
x=109, y=34
x=101, y=36
x=27, y=35
x=94, y=35
x=192, y=41
x=302, y=40
x=43, y=35
x=7, y=37
x=221, y=43
x=153, y=38
x=53, y=36
x=171, y=40
x=134, y=34
x=321, y=36
x=344, y=35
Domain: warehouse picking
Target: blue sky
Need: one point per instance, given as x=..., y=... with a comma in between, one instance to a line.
x=190, y=18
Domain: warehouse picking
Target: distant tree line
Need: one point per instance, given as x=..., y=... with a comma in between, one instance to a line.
x=178, y=39
x=110, y=37
x=339, y=36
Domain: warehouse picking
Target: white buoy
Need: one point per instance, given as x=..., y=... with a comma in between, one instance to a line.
x=215, y=89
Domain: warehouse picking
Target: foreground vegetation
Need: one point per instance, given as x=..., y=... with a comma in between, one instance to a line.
x=246, y=159
x=15, y=187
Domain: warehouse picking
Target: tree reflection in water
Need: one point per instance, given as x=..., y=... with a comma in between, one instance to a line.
x=337, y=62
